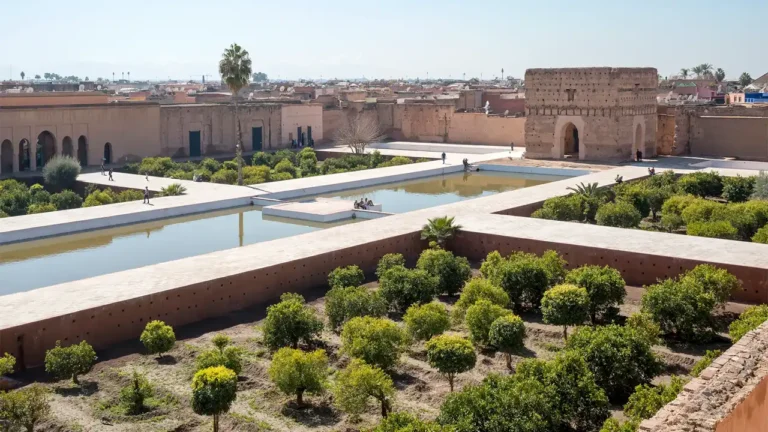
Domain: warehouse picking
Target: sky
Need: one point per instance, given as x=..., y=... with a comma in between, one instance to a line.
x=293, y=39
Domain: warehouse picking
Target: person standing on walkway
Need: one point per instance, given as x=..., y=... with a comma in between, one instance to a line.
x=512, y=146
x=146, y=195
x=102, y=167
x=443, y=158
x=110, y=175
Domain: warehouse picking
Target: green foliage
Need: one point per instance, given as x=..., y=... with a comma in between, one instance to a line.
x=295, y=372
x=479, y=289
x=224, y=176
x=230, y=165
x=256, y=174
x=645, y=326
x=676, y=204
x=580, y=402
x=308, y=162
x=14, y=198
x=749, y=320
x=25, y=407
x=211, y=165
x=158, y=337
x=451, y=355
x=395, y=161
x=134, y=395
x=281, y=176
x=427, y=320
x=554, y=265
x=261, y=158
x=39, y=195
x=40, y=208
x=738, y=189
x=760, y=191
x=213, y=392
x=701, y=184
x=173, y=189
x=699, y=210
x=290, y=322
x=565, y=305
x=506, y=335
x=563, y=208
x=635, y=193
x=61, y=172
x=377, y=341
x=402, y=287
x=156, y=166
x=404, y=422
x=285, y=166
x=108, y=196
x=66, y=200
x=388, y=261
x=69, y=362
x=343, y=304
x=604, y=285
x=500, y=404
x=491, y=265
x=740, y=217
x=230, y=357
x=759, y=209
x=716, y=229
x=761, y=236
x=656, y=198
x=480, y=317
x=613, y=425
x=524, y=277
x=647, y=400
x=619, y=357
x=358, y=383
x=221, y=341
x=282, y=155
x=619, y=214
x=452, y=272
x=349, y=276
x=717, y=281
x=440, y=229
x=704, y=363
x=7, y=362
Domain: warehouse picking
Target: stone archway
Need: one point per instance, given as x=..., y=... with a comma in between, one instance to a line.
x=638, y=139
x=66, y=147
x=107, y=153
x=82, y=150
x=569, y=137
x=46, y=148
x=6, y=157
x=571, y=140
x=25, y=161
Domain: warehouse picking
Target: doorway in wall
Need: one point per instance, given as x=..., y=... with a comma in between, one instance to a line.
x=571, y=141
x=256, y=139
x=194, y=144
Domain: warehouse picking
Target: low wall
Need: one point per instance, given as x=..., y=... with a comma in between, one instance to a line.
x=742, y=137
x=478, y=128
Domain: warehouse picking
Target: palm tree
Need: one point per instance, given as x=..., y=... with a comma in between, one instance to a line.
x=587, y=190
x=719, y=75
x=235, y=70
x=703, y=70
x=684, y=73
x=439, y=229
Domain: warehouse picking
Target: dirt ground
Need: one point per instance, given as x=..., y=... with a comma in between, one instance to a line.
x=261, y=407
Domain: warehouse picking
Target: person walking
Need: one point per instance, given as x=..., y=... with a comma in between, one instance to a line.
x=146, y=195
x=102, y=167
x=511, y=146
x=443, y=158
x=110, y=174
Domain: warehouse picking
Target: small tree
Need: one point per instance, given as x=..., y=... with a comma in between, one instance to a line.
x=343, y=304
x=25, y=407
x=480, y=316
x=358, y=383
x=61, y=172
x=605, y=288
x=134, y=395
x=565, y=305
x=452, y=272
x=231, y=357
x=646, y=401
x=388, y=261
x=158, y=337
x=295, y=372
x=7, y=362
x=567, y=208
x=403, y=287
x=702, y=184
x=451, y=355
x=524, y=277
x=213, y=392
x=645, y=326
x=619, y=214
x=377, y=341
x=290, y=322
x=749, y=320
x=704, y=363
x=404, y=422
x=506, y=335
x=221, y=341
x=440, y=230
x=738, y=189
x=428, y=320
x=358, y=132
x=69, y=362
x=349, y=276
x=745, y=79
x=479, y=289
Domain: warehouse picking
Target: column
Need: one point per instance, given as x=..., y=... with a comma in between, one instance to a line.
x=33, y=156
x=14, y=149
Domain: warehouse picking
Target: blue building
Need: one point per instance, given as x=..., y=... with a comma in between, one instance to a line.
x=756, y=98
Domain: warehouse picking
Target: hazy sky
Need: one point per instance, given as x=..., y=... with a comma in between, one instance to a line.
x=393, y=38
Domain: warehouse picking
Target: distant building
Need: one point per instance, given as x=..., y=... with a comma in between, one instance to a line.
x=756, y=98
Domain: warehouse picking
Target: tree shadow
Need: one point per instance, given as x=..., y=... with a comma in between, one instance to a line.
x=86, y=388
x=322, y=414
x=167, y=359
x=403, y=380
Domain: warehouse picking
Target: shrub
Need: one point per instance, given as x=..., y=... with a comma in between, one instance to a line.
x=377, y=341
x=7, y=362
x=480, y=289
x=3, y=214
x=357, y=384
x=213, y=392
x=343, y=304
x=619, y=214
x=224, y=176
x=404, y=422
x=501, y=404
x=230, y=165
x=676, y=204
x=739, y=217
x=39, y=195
x=388, y=261
x=619, y=357
x=554, y=265
x=427, y=320
x=705, y=361
x=656, y=198
x=173, y=189
x=564, y=208
x=289, y=322
x=701, y=184
x=613, y=425
x=40, y=208
x=128, y=195
x=759, y=209
x=256, y=171
x=681, y=308
x=158, y=337
x=349, y=276
x=134, y=395
x=98, y=198
x=749, y=320
x=699, y=210
x=605, y=288
x=716, y=281
x=280, y=176
x=524, y=277
x=14, y=202
x=61, y=172
x=285, y=166
x=581, y=403
x=565, y=305
x=717, y=229
x=402, y=287
x=66, y=200
x=231, y=357
x=645, y=326
x=761, y=236
x=295, y=372
x=25, y=407
x=203, y=174
x=636, y=194
x=211, y=165
x=282, y=155
x=480, y=316
x=158, y=166
x=506, y=335
x=261, y=158
x=180, y=175
x=671, y=222
x=440, y=230
x=69, y=362
x=395, y=161
x=646, y=401
x=451, y=271
x=451, y=355
x=760, y=191
x=738, y=189
x=491, y=265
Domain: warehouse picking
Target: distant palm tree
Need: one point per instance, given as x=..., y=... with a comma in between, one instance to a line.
x=439, y=229
x=684, y=73
x=235, y=70
x=703, y=70
x=719, y=75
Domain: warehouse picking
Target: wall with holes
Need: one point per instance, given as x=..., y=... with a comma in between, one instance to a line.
x=638, y=269
x=125, y=320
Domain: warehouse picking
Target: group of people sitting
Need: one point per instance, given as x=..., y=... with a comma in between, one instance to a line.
x=363, y=204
